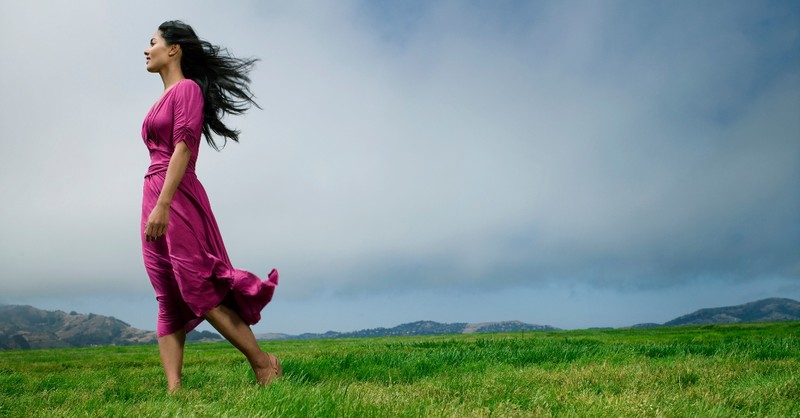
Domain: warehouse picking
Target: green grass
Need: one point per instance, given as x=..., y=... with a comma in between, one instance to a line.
x=722, y=370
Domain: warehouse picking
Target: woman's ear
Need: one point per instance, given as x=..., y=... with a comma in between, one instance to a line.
x=174, y=49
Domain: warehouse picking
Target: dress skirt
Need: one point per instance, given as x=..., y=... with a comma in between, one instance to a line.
x=189, y=268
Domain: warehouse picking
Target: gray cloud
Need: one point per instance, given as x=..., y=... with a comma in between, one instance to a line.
x=436, y=146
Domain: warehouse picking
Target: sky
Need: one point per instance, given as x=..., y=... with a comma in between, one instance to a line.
x=574, y=164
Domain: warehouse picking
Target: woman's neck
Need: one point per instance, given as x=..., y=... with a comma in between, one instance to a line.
x=171, y=75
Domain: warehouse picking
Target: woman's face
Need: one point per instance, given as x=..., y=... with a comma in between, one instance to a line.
x=159, y=54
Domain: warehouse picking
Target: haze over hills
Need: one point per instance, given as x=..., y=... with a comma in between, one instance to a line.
x=25, y=327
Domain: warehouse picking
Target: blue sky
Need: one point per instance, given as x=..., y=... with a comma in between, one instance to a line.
x=573, y=164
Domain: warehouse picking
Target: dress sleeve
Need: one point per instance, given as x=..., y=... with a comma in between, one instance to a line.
x=187, y=116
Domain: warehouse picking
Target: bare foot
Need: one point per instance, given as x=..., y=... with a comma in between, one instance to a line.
x=174, y=388
x=268, y=369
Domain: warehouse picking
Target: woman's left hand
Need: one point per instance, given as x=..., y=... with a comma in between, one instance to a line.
x=156, y=225
x=157, y=222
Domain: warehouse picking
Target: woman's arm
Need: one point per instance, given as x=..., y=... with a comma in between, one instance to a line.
x=157, y=222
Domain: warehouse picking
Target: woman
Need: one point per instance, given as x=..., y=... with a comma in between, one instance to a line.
x=183, y=251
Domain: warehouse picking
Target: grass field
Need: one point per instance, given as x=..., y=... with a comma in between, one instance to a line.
x=721, y=370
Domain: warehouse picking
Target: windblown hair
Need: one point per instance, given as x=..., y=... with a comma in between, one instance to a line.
x=223, y=79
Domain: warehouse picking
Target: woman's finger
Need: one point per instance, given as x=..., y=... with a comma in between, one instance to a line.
x=149, y=233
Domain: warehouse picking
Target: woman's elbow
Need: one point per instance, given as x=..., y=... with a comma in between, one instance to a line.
x=182, y=150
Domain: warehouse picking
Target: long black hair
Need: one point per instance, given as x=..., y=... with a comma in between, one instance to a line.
x=223, y=79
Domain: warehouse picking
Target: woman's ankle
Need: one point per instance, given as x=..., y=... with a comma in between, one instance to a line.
x=174, y=386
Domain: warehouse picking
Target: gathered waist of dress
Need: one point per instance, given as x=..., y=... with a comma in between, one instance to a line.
x=161, y=167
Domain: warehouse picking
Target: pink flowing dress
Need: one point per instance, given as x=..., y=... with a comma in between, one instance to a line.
x=189, y=267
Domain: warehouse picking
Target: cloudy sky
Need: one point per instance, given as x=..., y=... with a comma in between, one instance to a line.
x=574, y=164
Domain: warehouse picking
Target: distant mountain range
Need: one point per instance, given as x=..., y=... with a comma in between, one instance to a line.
x=25, y=327
x=417, y=328
x=765, y=310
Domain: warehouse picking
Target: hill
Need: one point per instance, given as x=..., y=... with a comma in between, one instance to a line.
x=418, y=328
x=25, y=327
x=765, y=310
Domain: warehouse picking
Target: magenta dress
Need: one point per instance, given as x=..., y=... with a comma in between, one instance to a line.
x=189, y=267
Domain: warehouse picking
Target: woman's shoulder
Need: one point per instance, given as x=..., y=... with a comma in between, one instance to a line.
x=187, y=88
x=187, y=84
